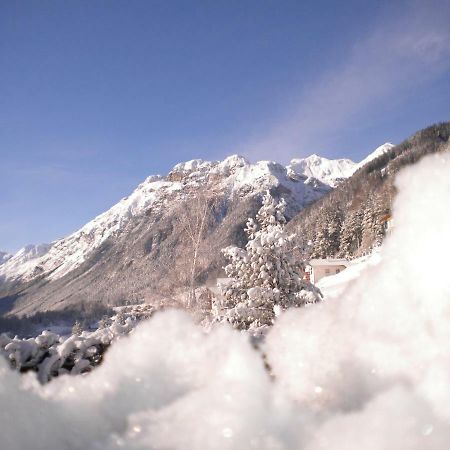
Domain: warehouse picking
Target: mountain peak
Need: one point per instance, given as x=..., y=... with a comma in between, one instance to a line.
x=381, y=150
x=328, y=171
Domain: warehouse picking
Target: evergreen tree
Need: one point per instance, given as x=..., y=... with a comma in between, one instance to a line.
x=380, y=212
x=351, y=234
x=334, y=225
x=327, y=239
x=320, y=244
x=77, y=328
x=368, y=220
x=264, y=276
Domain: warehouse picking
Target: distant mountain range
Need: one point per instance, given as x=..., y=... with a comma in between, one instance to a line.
x=136, y=250
x=333, y=171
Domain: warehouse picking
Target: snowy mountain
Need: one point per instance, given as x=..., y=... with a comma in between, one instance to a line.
x=326, y=170
x=4, y=256
x=381, y=150
x=333, y=171
x=26, y=259
x=234, y=175
x=145, y=223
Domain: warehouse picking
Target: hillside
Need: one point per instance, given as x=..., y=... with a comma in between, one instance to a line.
x=137, y=250
x=350, y=220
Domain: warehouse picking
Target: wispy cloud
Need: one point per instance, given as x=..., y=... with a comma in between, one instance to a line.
x=398, y=55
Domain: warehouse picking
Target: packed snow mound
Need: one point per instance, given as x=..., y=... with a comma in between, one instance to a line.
x=326, y=170
x=368, y=370
x=381, y=150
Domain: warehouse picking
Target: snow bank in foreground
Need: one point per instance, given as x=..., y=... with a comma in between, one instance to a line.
x=369, y=370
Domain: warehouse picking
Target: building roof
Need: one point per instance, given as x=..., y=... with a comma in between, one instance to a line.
x=329, y=262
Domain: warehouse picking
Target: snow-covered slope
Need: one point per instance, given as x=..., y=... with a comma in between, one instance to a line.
x=4, y=256
x=328, y=171
x=334, y=286
x=302, y=182
x=24, y=260
x=381, y=150
x=234, y=176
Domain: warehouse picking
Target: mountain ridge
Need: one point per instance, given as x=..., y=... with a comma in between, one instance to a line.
x=138, y=241
x=315, y=171
x=235, y=175
x=136, y=247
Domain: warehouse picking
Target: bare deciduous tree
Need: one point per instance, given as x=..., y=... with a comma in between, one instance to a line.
x=195, y=218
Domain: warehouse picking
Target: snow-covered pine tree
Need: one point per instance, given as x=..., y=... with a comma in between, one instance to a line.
x=351, y=234
x=380, y=212
x=334, y=226
x=264, y=276
x=319, y=249
x=77, y=328
x=367, y=225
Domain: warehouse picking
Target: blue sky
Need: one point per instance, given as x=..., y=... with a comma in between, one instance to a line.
x=96, y=95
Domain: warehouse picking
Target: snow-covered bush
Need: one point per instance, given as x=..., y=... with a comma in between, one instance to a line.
x=265, y=277
x=51, y=355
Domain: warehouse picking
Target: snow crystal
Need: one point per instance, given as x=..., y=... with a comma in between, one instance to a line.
x=368, y=370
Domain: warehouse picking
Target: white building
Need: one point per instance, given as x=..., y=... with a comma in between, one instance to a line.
x=319, y=268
